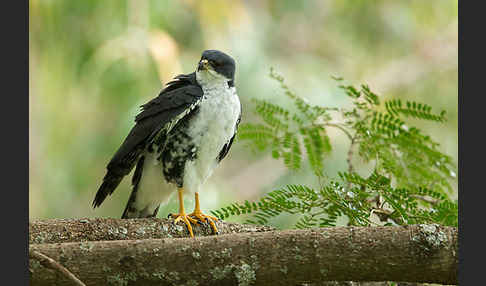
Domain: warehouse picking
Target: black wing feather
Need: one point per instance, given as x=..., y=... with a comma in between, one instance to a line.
x=177, y=97
x=135, y=182
x=227, y=146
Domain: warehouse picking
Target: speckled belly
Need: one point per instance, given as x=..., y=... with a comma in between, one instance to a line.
x=212, y=128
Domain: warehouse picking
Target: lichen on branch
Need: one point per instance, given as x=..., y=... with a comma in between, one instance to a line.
x=415, y=253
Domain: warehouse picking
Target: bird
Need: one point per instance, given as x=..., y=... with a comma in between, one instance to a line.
x=178, y=140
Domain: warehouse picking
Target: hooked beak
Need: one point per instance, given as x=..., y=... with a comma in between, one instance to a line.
x=203, y=65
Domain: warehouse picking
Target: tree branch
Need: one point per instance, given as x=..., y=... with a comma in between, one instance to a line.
x=417, y=253
x=94, y=229
x=52, y=264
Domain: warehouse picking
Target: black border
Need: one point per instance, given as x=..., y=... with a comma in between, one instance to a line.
x=470, y=111
x=15, y=144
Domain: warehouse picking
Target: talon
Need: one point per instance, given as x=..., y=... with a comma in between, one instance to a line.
x=197, y=213
x=206, y=219
x=186, y=219
x=181, y=216
x=193, y=221
x=196, y=217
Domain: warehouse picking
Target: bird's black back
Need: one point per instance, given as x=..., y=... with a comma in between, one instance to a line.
x=178, y=96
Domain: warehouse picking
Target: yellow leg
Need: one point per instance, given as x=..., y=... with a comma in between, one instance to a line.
x=197, y=213
x=182, y=214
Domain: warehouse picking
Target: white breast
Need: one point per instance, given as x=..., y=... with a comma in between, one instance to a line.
x=212, y=128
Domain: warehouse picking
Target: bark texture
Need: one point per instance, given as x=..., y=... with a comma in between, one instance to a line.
x=95, y=229
x=417, y=253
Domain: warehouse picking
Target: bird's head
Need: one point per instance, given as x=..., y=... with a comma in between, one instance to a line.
x=215, y=66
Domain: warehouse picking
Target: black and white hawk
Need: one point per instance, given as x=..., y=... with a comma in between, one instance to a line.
x=178, y=140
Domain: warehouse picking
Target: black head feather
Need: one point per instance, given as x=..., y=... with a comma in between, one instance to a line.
x=220, y=62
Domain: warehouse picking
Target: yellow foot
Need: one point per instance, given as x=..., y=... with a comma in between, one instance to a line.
x=203, y=218
x=186, y=219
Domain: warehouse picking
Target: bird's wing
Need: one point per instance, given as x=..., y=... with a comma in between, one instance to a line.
x=224, y=151
x=171, y=105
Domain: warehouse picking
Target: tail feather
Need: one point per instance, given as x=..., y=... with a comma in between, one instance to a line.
x=130, y=210
x=110, y=182
x=149, y=191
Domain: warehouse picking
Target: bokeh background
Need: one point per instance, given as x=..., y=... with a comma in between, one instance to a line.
x=93, y=63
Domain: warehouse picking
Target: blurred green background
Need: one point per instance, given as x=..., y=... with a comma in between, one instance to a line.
x=93, y=63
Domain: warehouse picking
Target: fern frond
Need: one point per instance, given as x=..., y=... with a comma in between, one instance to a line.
x=274, y=115
x=410, y=183
x=260, y=134
x=386, y=124
x=369, y=96
x=413, y=109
